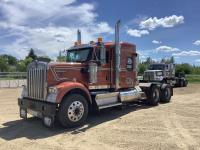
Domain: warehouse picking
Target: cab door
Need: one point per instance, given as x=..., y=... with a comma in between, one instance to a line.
x=128, y=71
x=103, y=71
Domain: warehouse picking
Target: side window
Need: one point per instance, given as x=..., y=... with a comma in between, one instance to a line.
x=129, y=64
x=98, y=55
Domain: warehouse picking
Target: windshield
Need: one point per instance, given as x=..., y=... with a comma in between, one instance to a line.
x=79, y=55
x=157, y=67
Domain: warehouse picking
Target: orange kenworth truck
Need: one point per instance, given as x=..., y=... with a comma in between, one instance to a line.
x=95, y=76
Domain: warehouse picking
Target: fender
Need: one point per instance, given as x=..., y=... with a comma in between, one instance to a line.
x=65, y=87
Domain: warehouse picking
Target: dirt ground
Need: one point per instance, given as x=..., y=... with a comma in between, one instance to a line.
x=175, y=125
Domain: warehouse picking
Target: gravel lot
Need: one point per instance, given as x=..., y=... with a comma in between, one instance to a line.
x=168, y=126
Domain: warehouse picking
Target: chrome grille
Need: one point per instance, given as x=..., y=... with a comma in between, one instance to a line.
x=149, y=76
x=36, y=83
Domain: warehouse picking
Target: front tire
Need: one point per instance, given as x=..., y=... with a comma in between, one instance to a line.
x=73, y=110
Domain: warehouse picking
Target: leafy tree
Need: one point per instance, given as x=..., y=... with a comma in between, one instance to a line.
x=22, y=64
x=168, y=60
x=163, y=60
x=44, y=58
x=148, y=61
x=3, y=64
x=185, y=68
x=32, y=54
x=10, y=59
x=172, y=60
x=141, y=68
x=61, y=58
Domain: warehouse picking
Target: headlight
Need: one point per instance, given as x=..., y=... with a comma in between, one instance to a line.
x=53, y=90
x=159, y=78
x=159, y=73
x=52, y=94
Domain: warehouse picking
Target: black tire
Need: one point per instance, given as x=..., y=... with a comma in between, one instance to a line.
x=164, y=81
x=153, y=95
x=185, y=83
x=166, y=94
x=73, y=110
x=181, y=83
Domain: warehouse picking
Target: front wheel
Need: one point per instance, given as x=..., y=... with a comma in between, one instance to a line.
x=73, y=110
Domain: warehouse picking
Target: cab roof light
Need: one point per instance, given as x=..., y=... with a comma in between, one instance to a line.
x=100, y=39
x=75, y=43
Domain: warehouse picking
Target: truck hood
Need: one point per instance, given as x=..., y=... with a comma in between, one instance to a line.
x=59, y=72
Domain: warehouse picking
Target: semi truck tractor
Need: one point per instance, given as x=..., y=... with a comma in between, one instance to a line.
x=165, y=73
x=95, y=76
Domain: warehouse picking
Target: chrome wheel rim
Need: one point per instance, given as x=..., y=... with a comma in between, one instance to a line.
x=75, y=111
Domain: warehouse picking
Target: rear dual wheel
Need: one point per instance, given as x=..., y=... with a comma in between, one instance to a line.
x=166, y=94
x=153, y=95
x=185, y=83
x=181, y=83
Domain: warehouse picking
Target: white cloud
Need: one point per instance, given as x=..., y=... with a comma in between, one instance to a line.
x=197, y=42
x=137, y=33
x=187, y=53
x=47, y=26
x=156, y=42
x=166, y=22
x=197, y=60
x=167, y=49
x=176, y=57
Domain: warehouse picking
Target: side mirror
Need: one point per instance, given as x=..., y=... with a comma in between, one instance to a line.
x=103, y=55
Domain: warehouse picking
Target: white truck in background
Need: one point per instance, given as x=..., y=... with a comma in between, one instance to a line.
x=165, y=73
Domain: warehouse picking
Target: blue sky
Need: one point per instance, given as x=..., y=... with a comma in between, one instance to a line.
x=159, y=28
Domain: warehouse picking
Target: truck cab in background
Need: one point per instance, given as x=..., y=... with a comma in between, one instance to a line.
x=164, y=73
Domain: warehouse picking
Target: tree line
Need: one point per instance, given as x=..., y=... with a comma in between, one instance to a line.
x=184, y=67
x=10, y=63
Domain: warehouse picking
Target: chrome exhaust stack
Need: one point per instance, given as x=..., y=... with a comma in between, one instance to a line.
x=117, y=55
x=79, y=36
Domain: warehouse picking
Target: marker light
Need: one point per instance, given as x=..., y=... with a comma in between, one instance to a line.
x=75, y=43
x=100, y=39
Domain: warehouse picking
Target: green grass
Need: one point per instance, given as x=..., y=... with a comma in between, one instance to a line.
x=193, y=78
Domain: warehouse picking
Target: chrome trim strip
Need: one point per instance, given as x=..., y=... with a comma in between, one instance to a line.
x=92, y=87
x=107, y=95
